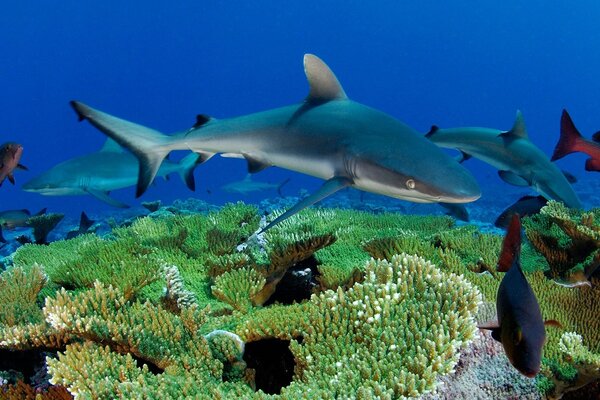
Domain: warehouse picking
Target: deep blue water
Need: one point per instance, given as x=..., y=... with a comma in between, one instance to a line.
x=426, y=62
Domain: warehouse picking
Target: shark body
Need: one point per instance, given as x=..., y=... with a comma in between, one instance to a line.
x=327, y=136
x=518, y=160
x=99, y=173
x=248, y=185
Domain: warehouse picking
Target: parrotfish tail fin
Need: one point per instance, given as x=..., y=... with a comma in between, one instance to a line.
x=2, y=240
x=280, y=186
x=85, y=222
x=186, y=170
x=148, y=145
x=511, y=246
x=569, y=137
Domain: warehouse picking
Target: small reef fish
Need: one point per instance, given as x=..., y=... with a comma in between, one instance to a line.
x=84, y=226
x=247, y=185
x=12, y=219
x=525, y=206
x=327, y=136
x=520, y=327
x=456, y=210
x=518, y=160
x=10, y=155
x=571, y=141
x=99, y=173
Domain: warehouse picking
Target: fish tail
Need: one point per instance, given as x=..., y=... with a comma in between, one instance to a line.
x=511, y=246
x=570, y=138
x=148, y=145
x=186, y=170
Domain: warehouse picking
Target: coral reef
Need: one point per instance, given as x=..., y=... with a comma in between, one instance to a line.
x=170, y=303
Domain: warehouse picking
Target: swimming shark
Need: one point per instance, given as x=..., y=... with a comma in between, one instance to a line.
x=247, y=185
x=327, y=136
x=518, y=160
x=99, y=173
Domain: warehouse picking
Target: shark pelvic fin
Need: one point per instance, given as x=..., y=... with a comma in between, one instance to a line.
x=104, y=197
x=324, y=86
x=329, y=187
x=254, y=164
x=519, y=130
x=513, y=179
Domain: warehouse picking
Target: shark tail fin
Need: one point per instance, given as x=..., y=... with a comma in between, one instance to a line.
x=186, y=170
x=148, y=145
x=569, y=137
x=85, y=222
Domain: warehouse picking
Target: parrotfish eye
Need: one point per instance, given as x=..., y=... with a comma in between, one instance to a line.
x=410, y=184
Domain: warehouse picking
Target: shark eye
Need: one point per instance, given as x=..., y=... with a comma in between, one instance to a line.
x=410, y=184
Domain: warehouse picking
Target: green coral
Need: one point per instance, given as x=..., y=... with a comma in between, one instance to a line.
x=239, y=288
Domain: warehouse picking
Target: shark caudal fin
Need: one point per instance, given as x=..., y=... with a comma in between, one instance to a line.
x=569, y=137
x=148, y=145
x=511, y=246
x=186, y=169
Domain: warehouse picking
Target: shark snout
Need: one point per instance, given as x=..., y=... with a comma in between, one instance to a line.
x=459, y=186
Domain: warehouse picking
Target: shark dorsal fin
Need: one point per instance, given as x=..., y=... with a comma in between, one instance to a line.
x=518, y=129
x=324, y=86
x=110, y=146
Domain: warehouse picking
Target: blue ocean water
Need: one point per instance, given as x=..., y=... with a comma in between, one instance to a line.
x=429, y=62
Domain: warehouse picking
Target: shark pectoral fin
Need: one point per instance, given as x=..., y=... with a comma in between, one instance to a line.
x=518, y=130
x=329, y=187
x=513, y=179
x=255, y=165
x=324, y=85
x=103, y=196
x=21, y=166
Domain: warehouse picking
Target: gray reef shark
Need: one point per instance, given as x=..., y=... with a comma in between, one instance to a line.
x=518, y=160
x=326, y=135
x=247, y=185
x=99, y=173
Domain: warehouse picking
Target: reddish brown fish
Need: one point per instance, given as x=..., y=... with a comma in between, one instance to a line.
x=10, y=155
x=571, y=141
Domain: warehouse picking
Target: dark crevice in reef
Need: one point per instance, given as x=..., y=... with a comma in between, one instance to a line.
x=297, y=284
x=22, y=365
x=151, y=367
x=273, y=362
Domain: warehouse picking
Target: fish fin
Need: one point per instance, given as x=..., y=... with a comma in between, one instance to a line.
x=570, y=177
x=41, y=212
x=518, y=130
x=329, y=187
x=280, y=186
x=553, y=323
x=592, y=164
x=25, y=211
x=489, y=325
x=255, y=165
x=11, y=178
x=497, y=335
x=110, y=146
x=186, y=170
x=511, y=245
x=462, y=157
x=2, y=240
x=22, y=167
x=596, y=137
x=201, y=119
x=517, y=335
x=569, y=137
x=513, y=179
x=104, y=197
x=85, y=222
x=148, y=145
x=232, y=155
x=324, y=86
x=432, y=131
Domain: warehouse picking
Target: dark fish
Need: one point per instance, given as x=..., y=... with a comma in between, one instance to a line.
x=571, y=141
x=456, y=210
x=10, y=155
x=525, y=206
x=84, y=226
x=520, y=327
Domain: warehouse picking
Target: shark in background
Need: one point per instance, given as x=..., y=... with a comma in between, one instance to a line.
x=327, y=136
x=518, y=160
x=248, y=185
x=99, y=173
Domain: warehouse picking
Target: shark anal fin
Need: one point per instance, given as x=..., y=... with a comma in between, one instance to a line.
x=432, y=130
x=255, y=165
x=329, y=187
x=324, y=86
x=104, y=197
x=513, y=179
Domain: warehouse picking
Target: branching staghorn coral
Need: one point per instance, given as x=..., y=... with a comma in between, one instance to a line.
x=176, y=297
x=239, y=288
